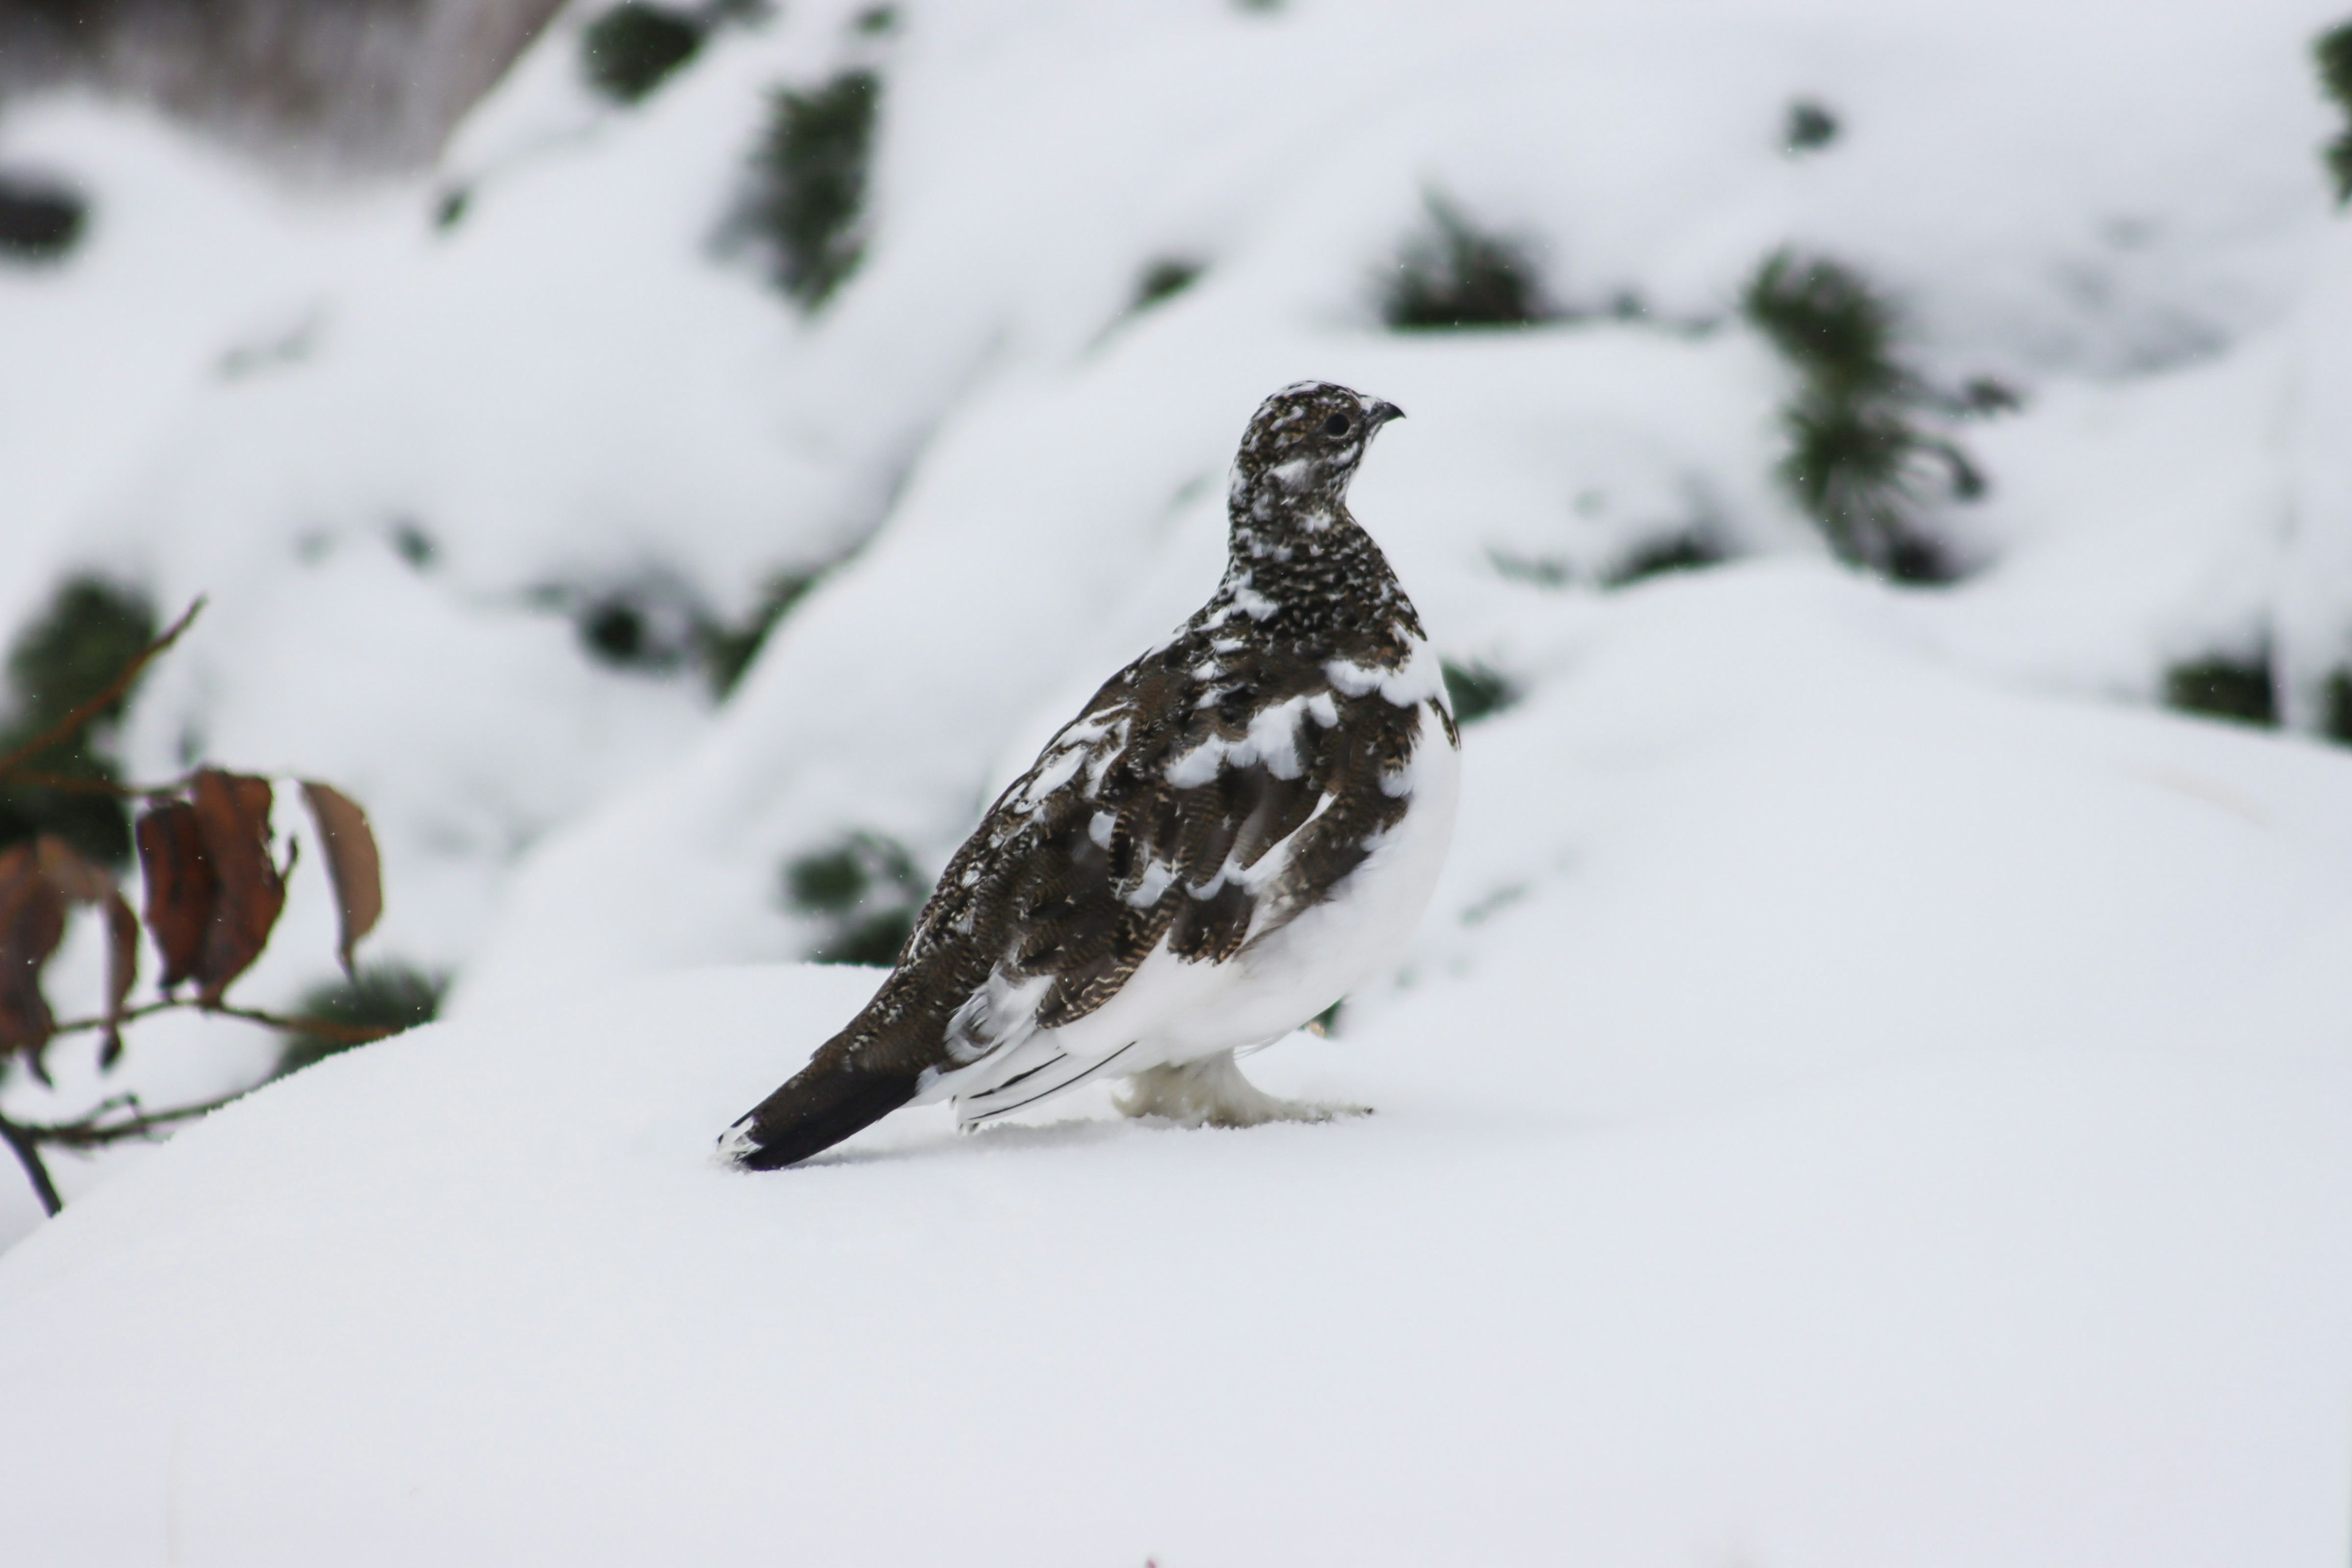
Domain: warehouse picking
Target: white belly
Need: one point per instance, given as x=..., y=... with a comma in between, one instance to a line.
x=1172, y=1012
x=1291, y=976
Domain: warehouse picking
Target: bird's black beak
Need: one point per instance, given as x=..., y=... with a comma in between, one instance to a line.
x=1380, y=414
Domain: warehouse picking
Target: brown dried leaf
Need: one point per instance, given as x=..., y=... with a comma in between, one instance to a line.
x=32, y=922
x=83, y=881
x=180, y=886
x=352, y=865
x=121, y=974
x=86, y=882
x=233, y=813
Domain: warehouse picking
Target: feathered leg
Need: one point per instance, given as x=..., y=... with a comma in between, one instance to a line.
x=1212, y=1092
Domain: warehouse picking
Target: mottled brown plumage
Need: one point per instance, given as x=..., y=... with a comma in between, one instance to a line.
x=1269, y=725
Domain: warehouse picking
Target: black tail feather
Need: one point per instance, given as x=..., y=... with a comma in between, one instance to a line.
x=821, y=1104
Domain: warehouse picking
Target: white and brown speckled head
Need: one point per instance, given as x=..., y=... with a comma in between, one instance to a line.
x=1300, y=451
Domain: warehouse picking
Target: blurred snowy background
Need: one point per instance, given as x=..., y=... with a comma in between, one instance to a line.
x=1881, y=476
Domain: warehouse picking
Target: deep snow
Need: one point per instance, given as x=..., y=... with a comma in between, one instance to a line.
x=1867, y=1118
x=1869, y=1089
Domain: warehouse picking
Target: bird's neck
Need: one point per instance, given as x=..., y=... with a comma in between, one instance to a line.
x=1320, y=585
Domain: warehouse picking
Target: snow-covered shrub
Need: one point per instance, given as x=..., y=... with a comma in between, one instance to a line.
x=1983, y=394
x=1476, y=692
x=40, y=220
x=1674, y=553
x=2225, y=686
x=653, y=625
x=620, y=632
x=656, y=624
x=1454, y=274
x=386, y=998
x=413, y=544
x=727, y=651
x=89, y=631
x=1164, y=279
x=1859, y=459
x=1808, y=127
x=809, y=184
x=1849, y=467
x=1828, y=322
x=634, y=49
x=2336, y=706
x=864, y=889
x=2333, y=50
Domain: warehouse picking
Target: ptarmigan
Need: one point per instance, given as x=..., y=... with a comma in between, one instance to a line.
x=1243, y=824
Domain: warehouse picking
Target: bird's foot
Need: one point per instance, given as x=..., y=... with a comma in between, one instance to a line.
x=1212, y=1092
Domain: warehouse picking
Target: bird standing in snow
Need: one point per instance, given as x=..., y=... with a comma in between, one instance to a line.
x=1243, y=824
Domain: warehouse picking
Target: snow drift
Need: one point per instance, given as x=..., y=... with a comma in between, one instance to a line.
x=1868, y=1091
x=1839, y=1114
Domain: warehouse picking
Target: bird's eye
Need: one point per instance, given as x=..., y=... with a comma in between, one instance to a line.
x=1336, y=427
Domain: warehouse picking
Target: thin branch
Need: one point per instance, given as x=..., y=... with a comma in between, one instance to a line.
x=67, y=728
x=92, y=1130
x=67, y=784
x=145, y=1010
x=27, y=1148
x=324, y=1028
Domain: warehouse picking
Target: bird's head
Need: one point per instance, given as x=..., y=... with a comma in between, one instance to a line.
x=1301, y=450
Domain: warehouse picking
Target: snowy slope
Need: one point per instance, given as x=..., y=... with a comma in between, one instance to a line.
x=575, y=390
x=1839, y=1114
x=2145, y=293
x=1869, y=1090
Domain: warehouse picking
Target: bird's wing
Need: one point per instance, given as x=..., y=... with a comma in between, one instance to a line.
x=1198, y=803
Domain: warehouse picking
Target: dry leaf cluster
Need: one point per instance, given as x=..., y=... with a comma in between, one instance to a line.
x=213, y=890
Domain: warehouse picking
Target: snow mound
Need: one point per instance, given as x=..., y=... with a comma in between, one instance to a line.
x=420, y=441
x=1864, y=1118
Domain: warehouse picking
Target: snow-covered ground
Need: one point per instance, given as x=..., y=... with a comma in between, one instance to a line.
x=1839, y=1114
x=1872, y=1087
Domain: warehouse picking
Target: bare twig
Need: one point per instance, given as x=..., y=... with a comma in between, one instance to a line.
x=92, y=1130
x=67, y=784
x=145, y=1010
x=27, y=1149
x=67, y=728
x=324, y=1028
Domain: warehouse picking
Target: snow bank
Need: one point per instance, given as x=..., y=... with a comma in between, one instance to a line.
x=351, y=414
x=1064, y=511
x=1838, y=1112
x=1867, y=1092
